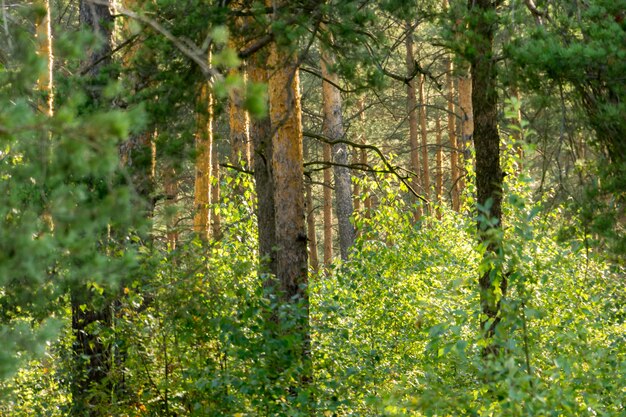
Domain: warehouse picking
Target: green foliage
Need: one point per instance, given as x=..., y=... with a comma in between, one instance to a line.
x=198, y=330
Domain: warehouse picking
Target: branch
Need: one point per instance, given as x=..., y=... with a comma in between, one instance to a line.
x=259, y=44
x=107, y=56
x=359, y=167
x=238, y=169
x=337, y=86
x=187, y=47
x=390, y=167
x=537, y=14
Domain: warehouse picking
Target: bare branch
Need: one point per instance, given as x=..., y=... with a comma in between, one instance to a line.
x=187, y=47
x=393, y=170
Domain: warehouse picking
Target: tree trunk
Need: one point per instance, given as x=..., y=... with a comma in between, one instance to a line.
x=424, y=133
x=287, y=171
x=43, y=36
x=204, y=150
x=333, y=129
x=454, y=158
x=171, y=192
x=368, y=200
x=98, y=18
x=328, y=210
x=91, y=356
x=215, y=216
x=239, y=135
x=411, y=104
x=439, y=186
x=261, y=137
x=291, y=238
x=356, y=159
x=467, y=127
x=488, y=172
x=310, y=219
x=518, y=135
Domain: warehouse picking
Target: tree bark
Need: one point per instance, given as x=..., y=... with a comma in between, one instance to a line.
x=452, y=138
x=239, y=128
x=333, y=129
x=411, y=105
x=261, y=137
x=171, y=193
x=488, y=171
x=518, y=135
x=467, y=126
x=454, y=159
x=43, y=36
x=439, y=159
x=310, y=219
x=287, y=172
x=291, y=238
x=368, y=200
x=98, y=18
x=424, y=134
x=328, y=209
x=356, y=158
x=215, y=216
x=203, y=164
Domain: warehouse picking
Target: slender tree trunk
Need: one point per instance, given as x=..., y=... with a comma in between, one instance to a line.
x=411, y=104
x=368, y=200
x=43, y=35
x=204, y=156
x=328, y=209
x=310, y=219
x=518, y=135
x=261, y=137
x=452, y=139
x=171, y=193
x=356, y=158
x=424, y=134
x=238, y=116
x=439, y=185
x=356, y=189
x=239, y=130
x=215, y=216
x=467, y=127
x=333, y=129
x=488, y=171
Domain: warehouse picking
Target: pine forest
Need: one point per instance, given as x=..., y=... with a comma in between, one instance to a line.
x=313, y=208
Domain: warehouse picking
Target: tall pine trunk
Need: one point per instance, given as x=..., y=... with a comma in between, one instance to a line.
x=310, y=221
x=203, y=164
x=467, y=126
x=439, y=166
x=239, y=129
x=333, y=129
x=492, y=282
x=261, y=137
x=411, y=104
x=328, y=208
x=43, y=35
x=291, y=238
x=424, y=134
